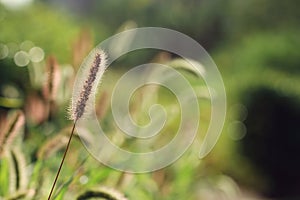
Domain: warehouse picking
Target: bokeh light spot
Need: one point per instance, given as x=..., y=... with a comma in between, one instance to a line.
x=36, y=54
x=21, y=59
x=26, y=45
x=10, y=91
x=240, y=111
x=84, y=179
x=237, y=130
x=13, y=48
x=3, y=51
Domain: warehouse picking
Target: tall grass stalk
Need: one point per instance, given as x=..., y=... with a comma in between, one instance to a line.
x=78, y=107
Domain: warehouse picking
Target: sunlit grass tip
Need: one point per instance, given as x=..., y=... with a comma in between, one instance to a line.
x=92, y=69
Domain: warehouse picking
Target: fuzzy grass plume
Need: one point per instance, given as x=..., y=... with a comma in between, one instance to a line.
x=53, y=79
x=11, y=130
x=88, y=84
x=93, y=69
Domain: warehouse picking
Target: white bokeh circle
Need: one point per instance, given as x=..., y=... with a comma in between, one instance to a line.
x=167, y=40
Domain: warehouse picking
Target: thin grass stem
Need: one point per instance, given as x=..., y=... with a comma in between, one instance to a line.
x=62, y=162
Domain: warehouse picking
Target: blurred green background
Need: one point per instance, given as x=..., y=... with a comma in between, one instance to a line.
x=255, y=44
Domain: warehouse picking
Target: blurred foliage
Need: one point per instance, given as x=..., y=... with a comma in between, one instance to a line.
x=53, y=31
x=253, y=42
x=246, y=17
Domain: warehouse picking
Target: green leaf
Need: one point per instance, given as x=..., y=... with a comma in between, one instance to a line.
x=4, y=177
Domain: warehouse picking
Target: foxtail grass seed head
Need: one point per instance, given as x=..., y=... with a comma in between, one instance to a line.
x=92, y=76
x=103, y=193
x=12, y=129
x=53, y=78
x=92, y=73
